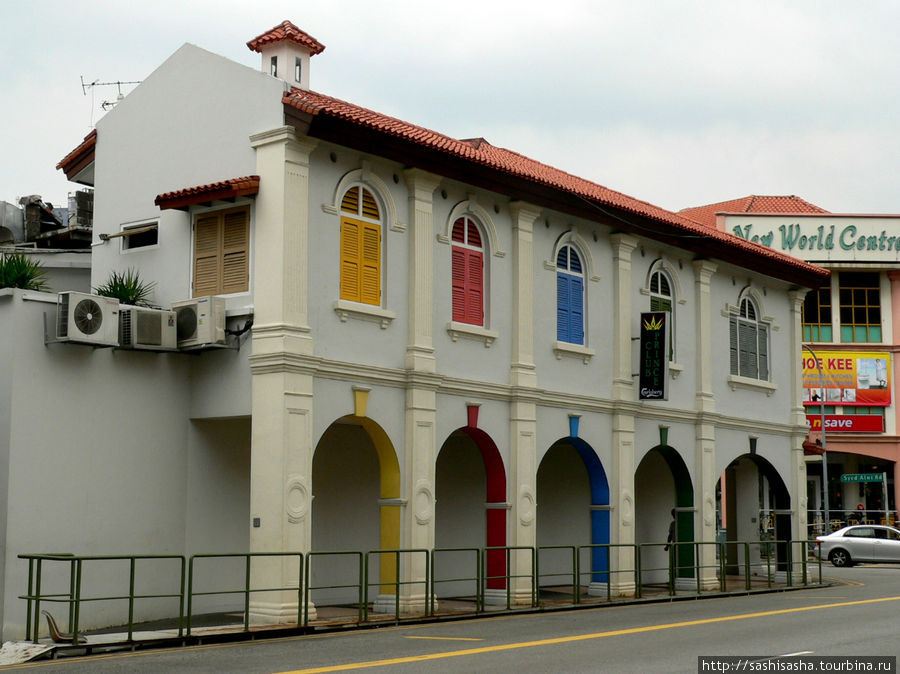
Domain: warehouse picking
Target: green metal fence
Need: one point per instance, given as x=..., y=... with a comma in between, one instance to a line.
x=522, y=575
x=75, y=599
x=247, y=590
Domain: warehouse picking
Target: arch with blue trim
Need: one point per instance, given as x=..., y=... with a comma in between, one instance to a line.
x=599, y=488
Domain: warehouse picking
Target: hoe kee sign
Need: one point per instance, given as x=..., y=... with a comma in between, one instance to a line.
x=851, y=379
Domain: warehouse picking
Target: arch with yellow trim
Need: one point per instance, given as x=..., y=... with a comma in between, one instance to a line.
x=389, y=497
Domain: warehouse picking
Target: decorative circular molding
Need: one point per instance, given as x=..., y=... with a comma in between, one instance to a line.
x=296, y=499
x=709, y=518
x=423, y=502
x=527, y=506
x=627, y=508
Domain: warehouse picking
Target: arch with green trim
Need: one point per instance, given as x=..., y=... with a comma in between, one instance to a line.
x=684, y=507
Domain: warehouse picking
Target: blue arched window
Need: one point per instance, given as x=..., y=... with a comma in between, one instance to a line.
x=569, y=296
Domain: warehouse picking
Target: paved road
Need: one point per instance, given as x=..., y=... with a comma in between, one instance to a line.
x=857, y=617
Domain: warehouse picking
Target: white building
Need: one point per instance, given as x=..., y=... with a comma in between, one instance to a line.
x=441, y=356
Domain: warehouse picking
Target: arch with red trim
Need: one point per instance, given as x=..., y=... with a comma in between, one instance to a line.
x=495, y=502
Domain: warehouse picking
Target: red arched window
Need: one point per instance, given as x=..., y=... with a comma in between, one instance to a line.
x=468, y=272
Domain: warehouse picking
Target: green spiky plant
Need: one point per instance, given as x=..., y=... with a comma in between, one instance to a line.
x=17, y=270
x=127, y=287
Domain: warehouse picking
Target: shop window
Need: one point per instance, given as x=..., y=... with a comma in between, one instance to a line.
x=221, y=252
x=467, y=274
x=817, y=316
x=749, y=342
x=360, y=247
x=860, y=306
x=569, y=296
x=662, y=299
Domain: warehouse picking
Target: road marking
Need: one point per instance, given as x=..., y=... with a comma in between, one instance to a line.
x=579, y=637
x=448, y=638
x=793, y=655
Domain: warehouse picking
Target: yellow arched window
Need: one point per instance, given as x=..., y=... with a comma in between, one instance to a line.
x=360, y=247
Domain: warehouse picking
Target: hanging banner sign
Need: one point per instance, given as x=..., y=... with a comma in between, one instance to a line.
x=861, y=378
x=846, y=423
x=654, y=374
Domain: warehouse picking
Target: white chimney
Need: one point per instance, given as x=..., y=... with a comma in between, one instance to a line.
x=286, y=51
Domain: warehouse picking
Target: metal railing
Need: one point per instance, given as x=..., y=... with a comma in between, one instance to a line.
x=706, y=566
x=247, y=590
x=74, y=598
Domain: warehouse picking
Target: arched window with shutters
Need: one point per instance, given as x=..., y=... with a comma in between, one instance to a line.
x=663, y=299
x=360, y=247
x=467, y=251
x=569, y=296
x=749, y=338
x=221, y=252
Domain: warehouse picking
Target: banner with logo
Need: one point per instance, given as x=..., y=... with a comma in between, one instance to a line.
x=654, y=356
x=860, y=378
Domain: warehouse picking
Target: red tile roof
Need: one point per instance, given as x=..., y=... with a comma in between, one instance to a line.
x=706, y=215
x=226, y=189
x=479, y=151
x=286, y=31
x=80, y=157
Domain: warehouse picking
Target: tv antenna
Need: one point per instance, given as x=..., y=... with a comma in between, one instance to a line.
x=106, y=105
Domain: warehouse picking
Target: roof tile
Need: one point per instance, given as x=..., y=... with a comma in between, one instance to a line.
x=286, y=31
x=706, y=215
x=225, y=189
x=481, y=152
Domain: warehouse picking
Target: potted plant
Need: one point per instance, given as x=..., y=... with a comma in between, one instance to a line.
x=18, y=270
x=127, y=287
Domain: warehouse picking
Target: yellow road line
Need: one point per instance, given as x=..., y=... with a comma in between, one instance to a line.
x=448, y=638
x=577, y=637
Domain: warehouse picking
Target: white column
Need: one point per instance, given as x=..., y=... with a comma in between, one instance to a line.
x=705, y=430
x=282, y=396
x=523, y=407
x=623, y=382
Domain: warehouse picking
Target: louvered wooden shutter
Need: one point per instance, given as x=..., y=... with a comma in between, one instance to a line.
x=207, y=253
x=763, y=333
x=576, y=310
x=235, y=239
x=458, y=282
x=747, y=346
x=733, y=343
x=370, y=282
x=350, y=261
x=474, y=288
x=562, y=308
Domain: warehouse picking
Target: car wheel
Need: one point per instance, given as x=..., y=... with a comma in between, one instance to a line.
x=840, y=558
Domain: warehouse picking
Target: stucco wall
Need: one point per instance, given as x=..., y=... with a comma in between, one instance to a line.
x=187, y=124
x=103, y=460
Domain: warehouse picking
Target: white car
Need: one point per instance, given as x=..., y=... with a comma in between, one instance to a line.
x=860, y=543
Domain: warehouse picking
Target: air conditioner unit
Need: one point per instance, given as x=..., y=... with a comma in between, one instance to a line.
x=151, y=329
x=200, y=321
x=87, y=319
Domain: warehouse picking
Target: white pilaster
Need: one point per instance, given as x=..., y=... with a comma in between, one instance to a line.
x=522, y=369
x=799, y=529
x=623, y=383
x=281, y=399
x=420, y=436
x=705, y=430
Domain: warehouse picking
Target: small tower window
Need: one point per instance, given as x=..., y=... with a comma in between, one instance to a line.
x=298, y=68
x=273, y=66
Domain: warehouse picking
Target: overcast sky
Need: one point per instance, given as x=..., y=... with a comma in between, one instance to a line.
x=678, y=103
